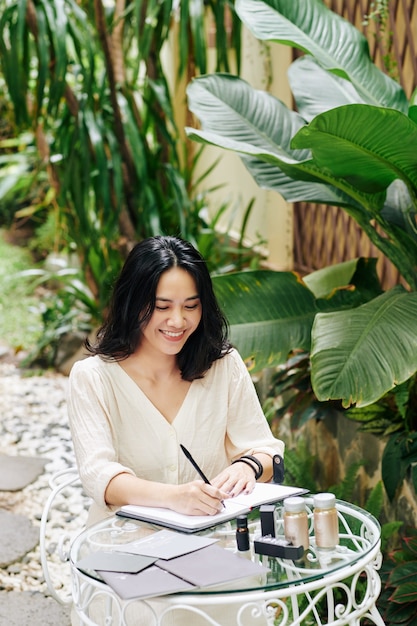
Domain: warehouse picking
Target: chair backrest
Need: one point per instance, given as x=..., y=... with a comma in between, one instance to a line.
x=56, y=532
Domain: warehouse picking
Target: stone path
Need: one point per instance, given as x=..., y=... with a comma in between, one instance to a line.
x=35, y=443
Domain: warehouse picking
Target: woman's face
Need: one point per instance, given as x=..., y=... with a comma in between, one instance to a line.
x=177, y=313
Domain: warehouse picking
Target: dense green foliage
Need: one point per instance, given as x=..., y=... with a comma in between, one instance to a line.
x=20, y=323
x=92, y=154
x=94, y=89
x=398, y=601
x=351, y=143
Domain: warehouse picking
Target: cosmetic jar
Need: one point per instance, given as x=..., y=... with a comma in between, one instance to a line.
x=326, y=525
x=296, y=522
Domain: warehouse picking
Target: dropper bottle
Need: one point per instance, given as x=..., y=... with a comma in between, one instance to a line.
x=242, y=536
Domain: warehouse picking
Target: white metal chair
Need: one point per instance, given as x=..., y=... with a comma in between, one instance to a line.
x=60, y=484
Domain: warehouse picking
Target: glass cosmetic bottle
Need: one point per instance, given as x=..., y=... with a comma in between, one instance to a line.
x=326, y=525
x=296, y=522
x=242, y=537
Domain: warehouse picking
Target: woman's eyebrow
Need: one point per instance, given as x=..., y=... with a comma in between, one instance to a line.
x=161, y=299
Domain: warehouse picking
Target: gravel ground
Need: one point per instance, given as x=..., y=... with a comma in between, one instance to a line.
x=34, y=423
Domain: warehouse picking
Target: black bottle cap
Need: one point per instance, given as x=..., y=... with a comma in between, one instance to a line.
x=242, y=522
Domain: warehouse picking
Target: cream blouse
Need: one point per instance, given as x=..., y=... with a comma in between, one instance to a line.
x=115, y=428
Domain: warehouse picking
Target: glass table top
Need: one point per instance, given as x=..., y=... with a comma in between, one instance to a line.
x=359, y=537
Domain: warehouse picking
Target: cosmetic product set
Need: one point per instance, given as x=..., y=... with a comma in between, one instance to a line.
x=296, y=526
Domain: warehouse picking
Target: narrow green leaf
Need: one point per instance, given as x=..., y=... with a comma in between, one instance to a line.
x=116, y=168
x=101, y=178
x=183, y=37
x=57, y=21
x=375, y=500
x=44, y=60
x=134, y=138
x=160, y=90
x=196, y=13
x=13, y=44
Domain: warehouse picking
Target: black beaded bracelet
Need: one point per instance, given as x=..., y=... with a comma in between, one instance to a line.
x=247, y=458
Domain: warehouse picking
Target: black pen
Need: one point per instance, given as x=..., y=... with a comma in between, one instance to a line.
x=196, y=467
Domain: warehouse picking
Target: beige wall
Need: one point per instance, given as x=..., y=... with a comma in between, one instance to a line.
x=264, y=67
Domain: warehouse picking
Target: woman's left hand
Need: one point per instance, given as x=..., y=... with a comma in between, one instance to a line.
x=235, y=479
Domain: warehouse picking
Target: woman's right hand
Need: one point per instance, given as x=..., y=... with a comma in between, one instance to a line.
x=197, y=498
x=194, y=498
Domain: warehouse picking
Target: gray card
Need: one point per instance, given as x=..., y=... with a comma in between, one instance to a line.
x=211, y=566
x=151, y=582
x=115, y=562
x=165, y=544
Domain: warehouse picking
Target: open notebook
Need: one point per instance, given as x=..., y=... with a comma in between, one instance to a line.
x=263, y=493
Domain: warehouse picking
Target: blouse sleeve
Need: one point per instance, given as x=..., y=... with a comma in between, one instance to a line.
x=92, y=433
x=248, y=431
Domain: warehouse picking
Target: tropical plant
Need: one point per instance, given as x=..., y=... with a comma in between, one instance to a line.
x=19, y=324
x=97, y=159
x=398, y=600
x=67, y=309
x=88, y=80
x=19, y=169
x=351, y=144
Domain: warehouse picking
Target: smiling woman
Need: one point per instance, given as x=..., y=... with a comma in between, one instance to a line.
x=163, y=373
x=177, y=312
x=175, y=318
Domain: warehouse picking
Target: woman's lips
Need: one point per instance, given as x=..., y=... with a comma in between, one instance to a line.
x=173, y=335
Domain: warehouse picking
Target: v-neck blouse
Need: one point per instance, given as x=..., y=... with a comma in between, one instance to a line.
x=115, y=427
x=129, y=380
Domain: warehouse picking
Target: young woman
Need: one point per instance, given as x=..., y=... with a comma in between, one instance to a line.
x=162, y=373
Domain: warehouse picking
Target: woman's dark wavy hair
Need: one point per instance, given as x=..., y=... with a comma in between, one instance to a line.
x=133, y=302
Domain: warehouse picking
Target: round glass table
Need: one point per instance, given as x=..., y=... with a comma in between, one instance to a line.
x=338, y=586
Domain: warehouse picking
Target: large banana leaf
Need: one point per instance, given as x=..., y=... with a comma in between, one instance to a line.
x=359, y=272
x=358, y=151
x=359, y=355
x=346, y=139
x=304, y=75
x=271, y=313
x=362, y=343
x=335, y=43
x=253, y=123
x=368, y=146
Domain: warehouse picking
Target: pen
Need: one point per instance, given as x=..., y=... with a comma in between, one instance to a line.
x=196, y=467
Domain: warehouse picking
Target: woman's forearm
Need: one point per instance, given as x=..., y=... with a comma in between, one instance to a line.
x=128, y=489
